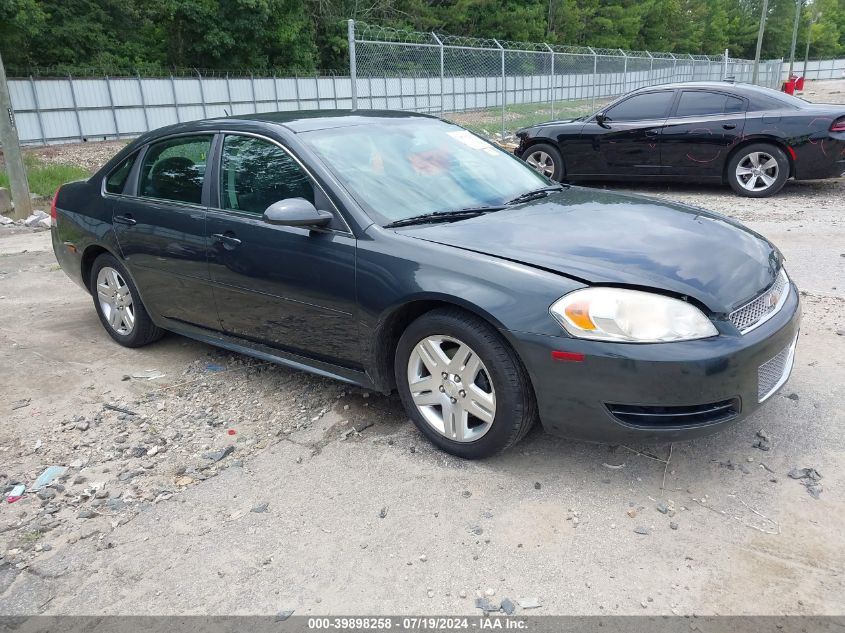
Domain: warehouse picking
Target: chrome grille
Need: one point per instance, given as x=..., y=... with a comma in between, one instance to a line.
x=773, y=373
x=762, y=308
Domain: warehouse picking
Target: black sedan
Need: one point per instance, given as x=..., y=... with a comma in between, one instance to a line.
x=398, y=251
x=752, y=138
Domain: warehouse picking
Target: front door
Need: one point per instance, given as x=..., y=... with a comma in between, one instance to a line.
x=160, y=229
x=288, y=287
x=627, y=142
x=698, y=136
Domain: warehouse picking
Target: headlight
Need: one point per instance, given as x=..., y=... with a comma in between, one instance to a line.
x=617, y=314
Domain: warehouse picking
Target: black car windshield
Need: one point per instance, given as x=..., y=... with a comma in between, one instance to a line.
x=420, y=166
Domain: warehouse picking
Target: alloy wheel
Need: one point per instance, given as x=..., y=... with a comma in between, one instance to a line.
x=451, y=388
x=757, y=171
x=541, y=162
x=115, y=300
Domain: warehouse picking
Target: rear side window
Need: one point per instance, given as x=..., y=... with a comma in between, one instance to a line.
x=700, y=103
x=116, y=180
x=256, y=173
x=652, y=105
x=174, y=169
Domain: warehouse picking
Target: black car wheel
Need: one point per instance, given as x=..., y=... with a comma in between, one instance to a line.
x=758, y=170
x=119, y=305
x=545, y=159
x=462, y=384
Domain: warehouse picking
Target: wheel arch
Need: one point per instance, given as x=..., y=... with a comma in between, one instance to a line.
x=89, y=256
x=529, y=143
x=386, y=334
x=755, y=140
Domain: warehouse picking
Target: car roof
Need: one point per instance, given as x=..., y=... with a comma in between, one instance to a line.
x=308, y=120
x=726, y=85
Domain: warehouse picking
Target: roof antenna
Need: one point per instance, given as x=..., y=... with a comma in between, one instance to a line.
x=226, y=111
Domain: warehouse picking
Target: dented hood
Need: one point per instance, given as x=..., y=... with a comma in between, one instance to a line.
x=608, y=238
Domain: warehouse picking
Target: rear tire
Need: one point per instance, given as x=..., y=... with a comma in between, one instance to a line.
x=758, y=170
x=485, y=377
x=118, y=304
x=545, y=159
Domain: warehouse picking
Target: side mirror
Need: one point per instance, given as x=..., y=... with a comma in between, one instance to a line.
x=296, y=212
x=601, y=119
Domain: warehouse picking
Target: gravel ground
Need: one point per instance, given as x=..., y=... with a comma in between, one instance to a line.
x=198, y=481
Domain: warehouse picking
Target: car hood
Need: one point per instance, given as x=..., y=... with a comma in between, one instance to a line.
x=607, y=238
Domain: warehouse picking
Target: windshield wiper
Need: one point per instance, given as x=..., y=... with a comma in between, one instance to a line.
x=536, y=193
x=445, y=216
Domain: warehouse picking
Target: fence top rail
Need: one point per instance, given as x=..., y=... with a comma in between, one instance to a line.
x=372, y=33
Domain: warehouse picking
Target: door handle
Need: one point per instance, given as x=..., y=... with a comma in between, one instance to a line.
x=128, y=220
x=651, y=132
x=729, y=126
x=228, y=240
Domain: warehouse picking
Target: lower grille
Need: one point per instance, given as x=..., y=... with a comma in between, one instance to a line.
x=654, y=416
x=773, y=373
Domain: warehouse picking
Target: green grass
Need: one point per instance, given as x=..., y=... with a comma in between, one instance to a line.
x=45, y=178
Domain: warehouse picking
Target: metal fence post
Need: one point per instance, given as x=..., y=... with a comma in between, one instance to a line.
x=674, y=66
x=202, y=94
x=143, y=101
x=725, y=71
x=650, y=67
x=595, y=77
x=440, y=46
x=275, y=94
x=75, y=109
x=353, y=66
x=37, y=110
x=175, y=101
x=624, y=72
x=504, y=87
x=252, y=89
x=111, y=106
x=551, y=78
x=229, y=96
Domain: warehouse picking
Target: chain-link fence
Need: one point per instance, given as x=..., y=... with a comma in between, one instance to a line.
x=495, y=87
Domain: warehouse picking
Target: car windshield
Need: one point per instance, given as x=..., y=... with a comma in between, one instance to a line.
x=420, y=166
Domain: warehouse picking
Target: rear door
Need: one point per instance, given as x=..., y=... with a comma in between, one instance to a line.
x=627, y=143
x=700, y=132
x=288, y=287
x=160, y=228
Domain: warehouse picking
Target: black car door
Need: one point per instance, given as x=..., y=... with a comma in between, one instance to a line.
x=160, y=228
x=625, y=139
x=700, y=132
x=288, y=287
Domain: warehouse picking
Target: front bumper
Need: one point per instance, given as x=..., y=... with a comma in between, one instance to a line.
x=575, y=399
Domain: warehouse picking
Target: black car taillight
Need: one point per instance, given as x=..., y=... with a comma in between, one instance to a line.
x=838, y=125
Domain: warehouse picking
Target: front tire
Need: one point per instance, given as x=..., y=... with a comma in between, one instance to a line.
x=462, y=384
x=758, y=170
x=545, y=159
x=119, y=305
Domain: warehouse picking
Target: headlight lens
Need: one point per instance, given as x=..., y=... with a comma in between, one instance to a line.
x=618, y=314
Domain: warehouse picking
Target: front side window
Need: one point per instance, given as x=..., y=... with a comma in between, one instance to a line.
x=174, y=169
x=255, y=173
x=415, y=166
x=700, y=103
x=116, y=180
x=644, y=107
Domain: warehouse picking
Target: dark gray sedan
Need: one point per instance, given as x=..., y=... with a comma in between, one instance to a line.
x=398, y=251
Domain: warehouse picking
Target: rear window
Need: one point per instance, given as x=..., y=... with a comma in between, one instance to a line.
x=702, y=103
x=116, y=180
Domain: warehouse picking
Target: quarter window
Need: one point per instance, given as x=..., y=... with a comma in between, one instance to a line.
x=651, y=105
x=700, y=103
x=174, y=169
x=116, y=180
x=256, y=173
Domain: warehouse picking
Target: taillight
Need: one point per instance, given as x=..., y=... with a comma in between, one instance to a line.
x=838, y=125
x=53, y=207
